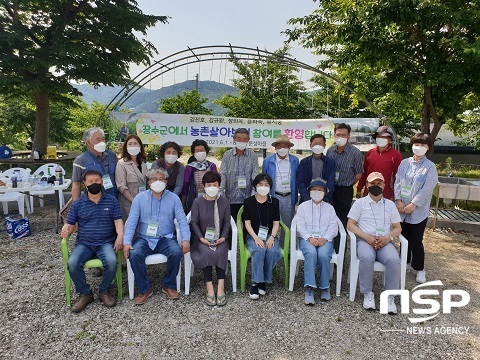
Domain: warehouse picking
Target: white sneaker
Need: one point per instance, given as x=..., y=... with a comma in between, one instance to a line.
x=369, y=301
x=421, y=277
x=392, y=308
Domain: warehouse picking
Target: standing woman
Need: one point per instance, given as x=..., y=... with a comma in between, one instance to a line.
x=261, y=214
x=131, y=173
x=210, y=224
x=169, y=154
x=192, y=183
x=416, y=178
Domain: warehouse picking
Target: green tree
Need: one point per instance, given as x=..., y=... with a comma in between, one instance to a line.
x=421, y=55
x=46, y=44
x=190, y=102
x=468, y=125
x=267, y=90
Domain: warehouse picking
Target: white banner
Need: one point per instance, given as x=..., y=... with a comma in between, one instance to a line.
x=218, y=131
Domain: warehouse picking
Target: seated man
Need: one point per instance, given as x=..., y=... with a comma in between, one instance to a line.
x=152, y=214
x=316, y=228
x=99, y=217
x=376, y=221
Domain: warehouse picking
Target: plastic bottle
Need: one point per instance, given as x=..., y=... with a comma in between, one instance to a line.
x=19, y=181
x=59, y=174
x=14, y=181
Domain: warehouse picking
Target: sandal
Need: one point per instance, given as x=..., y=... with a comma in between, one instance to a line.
x=221, y=300
x=212, y=302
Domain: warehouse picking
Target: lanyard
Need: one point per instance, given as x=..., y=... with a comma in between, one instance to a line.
x=157, y=217
x=95, y=160
x=320, y=213
x=238, y=166
x=136, y=174
x=371, y=208
x=289, y=169
x=258, y=210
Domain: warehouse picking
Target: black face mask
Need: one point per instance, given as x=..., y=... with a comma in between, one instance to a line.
x=375, y=190
x=94, y=188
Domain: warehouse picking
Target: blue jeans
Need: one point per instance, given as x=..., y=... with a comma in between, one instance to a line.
x=81, y=254
x=263, y=260
x=316, y=255
x=165, y=246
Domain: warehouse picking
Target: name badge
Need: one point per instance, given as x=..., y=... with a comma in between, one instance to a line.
x=406, y=191
x=285, y=187
x=210, y=234
x=152, y=230
x=241, y=182
x=263, y=232
x=337, y=175
x=316, y=234
x=379, y=231
x=142, y=188
x=107, y=182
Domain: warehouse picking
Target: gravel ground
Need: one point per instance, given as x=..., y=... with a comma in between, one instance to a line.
x=37, y=324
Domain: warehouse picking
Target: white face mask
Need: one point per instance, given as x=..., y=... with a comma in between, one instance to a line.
x=200, y=156
x=158, y=186
x=100, y=147
x=134, y=150
x=340, y=141
x=317, y=195
x=381, y=142
x=212, y=191
x=282, y=152
x=419, y=150
x=241, y=145
x=318, y=149
x=263, y=190
x=171, y=159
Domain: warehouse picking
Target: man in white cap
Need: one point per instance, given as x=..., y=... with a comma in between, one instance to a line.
x=383, y=159
x=282, y=168
x=376, y=221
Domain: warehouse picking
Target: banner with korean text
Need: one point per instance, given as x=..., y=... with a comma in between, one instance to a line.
x=218, y=131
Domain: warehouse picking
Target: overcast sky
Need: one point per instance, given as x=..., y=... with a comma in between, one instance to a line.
x=248, y=23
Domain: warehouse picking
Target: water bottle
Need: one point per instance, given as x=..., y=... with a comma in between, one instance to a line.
x=19, y=181
x=14, y=181
x=59, y=174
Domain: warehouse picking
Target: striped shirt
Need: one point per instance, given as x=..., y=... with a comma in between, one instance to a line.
x=349, y=163
x=233, y=166
x=95, y=221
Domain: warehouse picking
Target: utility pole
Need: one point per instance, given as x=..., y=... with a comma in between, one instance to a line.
x=196, y=83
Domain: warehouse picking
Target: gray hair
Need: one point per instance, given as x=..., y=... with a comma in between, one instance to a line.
x=88, y=134
x=160, y=171
x=241, y=131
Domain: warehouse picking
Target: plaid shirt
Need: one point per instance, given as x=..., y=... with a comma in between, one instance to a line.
x=349, y=163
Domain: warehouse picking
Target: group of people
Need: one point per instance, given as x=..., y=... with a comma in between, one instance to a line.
x=396, y=198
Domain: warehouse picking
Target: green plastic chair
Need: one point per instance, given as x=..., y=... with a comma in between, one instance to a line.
x=245, y=254
x=93, y=263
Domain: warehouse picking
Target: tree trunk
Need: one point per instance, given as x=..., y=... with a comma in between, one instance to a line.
x=42, y=127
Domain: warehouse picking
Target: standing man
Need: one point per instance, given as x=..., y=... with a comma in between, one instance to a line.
x=151, y=218
x=348, y=170
x=282, y=168
x=97, y=157
x=239, y=168
x=316, y=166
x=383, y=159
x=124, y=132
x=100, y=234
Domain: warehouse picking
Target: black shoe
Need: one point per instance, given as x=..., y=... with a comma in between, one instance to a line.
x=254, y=292
x=262, y=288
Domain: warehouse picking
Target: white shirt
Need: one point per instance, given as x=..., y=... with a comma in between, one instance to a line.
x=283, y=175
x=313, y=218
x=374, y=218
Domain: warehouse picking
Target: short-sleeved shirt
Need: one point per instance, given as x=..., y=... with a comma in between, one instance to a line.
x=349, y=163
x=374, y=218
x=95, y=221
x=261, y=214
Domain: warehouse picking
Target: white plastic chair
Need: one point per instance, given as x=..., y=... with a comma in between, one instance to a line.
x=296, y=255
x=152, y=260
x=355, y=263
x=44, y=168
x=15, y=196
x=232, y=257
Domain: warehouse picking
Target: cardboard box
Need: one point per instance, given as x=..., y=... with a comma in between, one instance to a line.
x=17, y=227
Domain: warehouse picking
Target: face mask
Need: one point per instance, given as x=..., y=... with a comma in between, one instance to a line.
x=158, y=186
x=340, y=141
x=263, y=190
x=419, y=150
x=212, y=191
x=94, y=188
x=375, y=190
x=282, y=152
x=318, y=149
x=381, y=142
x=134, y=150
x=171, y=159
x=317, y=195
x=241, y=145
x=100, y=147
x=200, y=156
